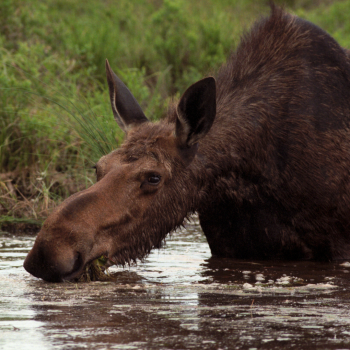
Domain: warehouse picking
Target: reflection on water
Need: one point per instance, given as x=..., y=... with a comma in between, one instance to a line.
x=178, y=298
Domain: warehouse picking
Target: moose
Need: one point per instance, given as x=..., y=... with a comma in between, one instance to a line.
x=261, y=152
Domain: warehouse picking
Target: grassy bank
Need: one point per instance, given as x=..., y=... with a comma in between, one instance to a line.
x=55, y=119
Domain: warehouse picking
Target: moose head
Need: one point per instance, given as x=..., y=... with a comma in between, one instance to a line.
x=144, y=189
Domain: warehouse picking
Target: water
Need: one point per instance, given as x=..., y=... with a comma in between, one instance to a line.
x=178, y=298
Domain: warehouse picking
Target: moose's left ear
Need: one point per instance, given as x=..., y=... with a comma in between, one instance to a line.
x=196, y=112
x=127, y=112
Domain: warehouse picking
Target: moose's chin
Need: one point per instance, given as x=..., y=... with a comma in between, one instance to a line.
x=93, y=270
x=73, y=276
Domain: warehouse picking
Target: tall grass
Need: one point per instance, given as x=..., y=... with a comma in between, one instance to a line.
x=55, y=118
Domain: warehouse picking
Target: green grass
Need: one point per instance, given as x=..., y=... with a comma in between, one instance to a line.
x=55, y=118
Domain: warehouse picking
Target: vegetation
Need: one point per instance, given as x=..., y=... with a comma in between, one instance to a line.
x=55, y=118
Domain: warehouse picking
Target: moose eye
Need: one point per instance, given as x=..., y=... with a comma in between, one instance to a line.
x=154, y=179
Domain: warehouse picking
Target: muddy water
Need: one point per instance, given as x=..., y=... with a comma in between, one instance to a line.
x=178, y=298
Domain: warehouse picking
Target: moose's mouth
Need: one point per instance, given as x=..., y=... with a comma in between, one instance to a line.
x=94, y=270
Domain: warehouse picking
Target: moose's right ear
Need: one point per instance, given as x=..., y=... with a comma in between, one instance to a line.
x=127, y=112
x=196, y=112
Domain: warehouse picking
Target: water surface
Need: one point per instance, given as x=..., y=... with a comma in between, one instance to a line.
x=178, y=298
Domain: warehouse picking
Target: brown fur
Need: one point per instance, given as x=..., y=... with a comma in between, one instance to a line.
x=269, y=178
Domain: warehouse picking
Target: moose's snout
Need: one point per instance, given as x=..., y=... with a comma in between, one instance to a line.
x=69, y=237
x=53, y=265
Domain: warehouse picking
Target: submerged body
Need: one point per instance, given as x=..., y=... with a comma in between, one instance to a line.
x=262, y=154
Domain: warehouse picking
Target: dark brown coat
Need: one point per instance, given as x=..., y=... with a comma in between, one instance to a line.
x=262, y=154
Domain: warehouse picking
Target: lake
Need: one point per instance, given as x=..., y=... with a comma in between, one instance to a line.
x=177, y=298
